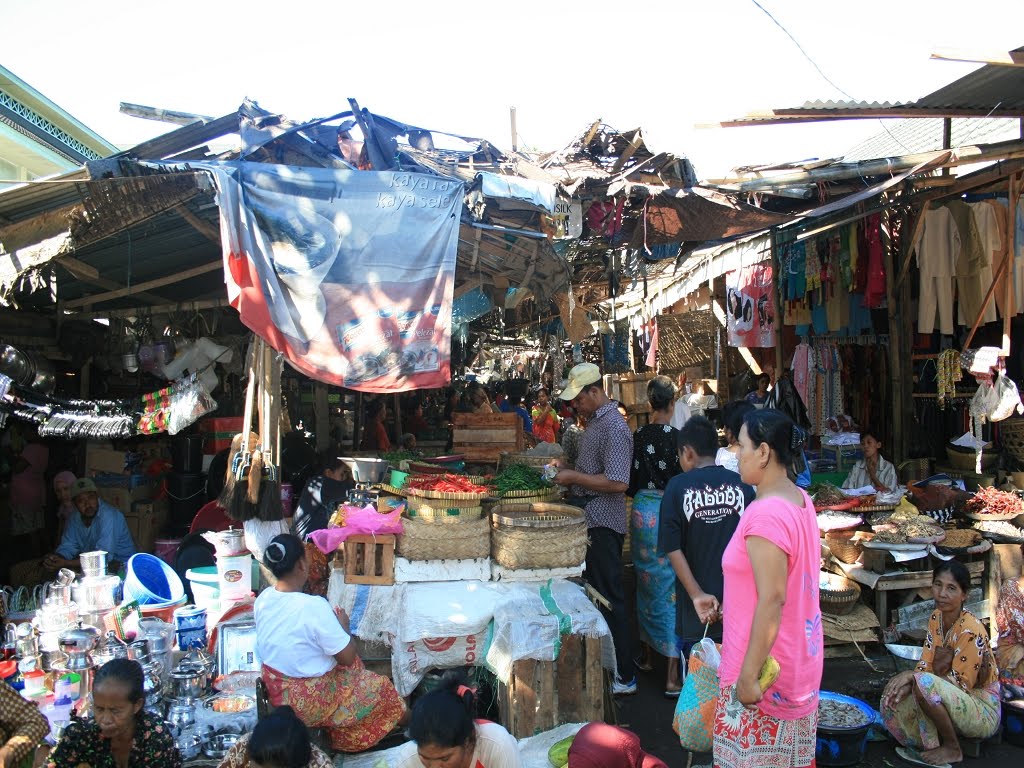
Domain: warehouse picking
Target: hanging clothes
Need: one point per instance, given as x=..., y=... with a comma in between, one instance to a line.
x=991, y=228
x=969, y=264
x=801, y=367
x=938, y=248
x=874, y=290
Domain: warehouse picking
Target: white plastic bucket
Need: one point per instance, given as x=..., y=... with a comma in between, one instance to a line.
x=205, y=586
x=234, y=575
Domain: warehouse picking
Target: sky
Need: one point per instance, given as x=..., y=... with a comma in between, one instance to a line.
x=458, y=66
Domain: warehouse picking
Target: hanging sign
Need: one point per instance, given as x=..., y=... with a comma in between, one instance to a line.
x=349, y=273
x=750, y=306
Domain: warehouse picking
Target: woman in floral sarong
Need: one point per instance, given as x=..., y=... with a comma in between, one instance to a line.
x=655, y=462
x=955, y=689
x=1010, y=644
x=310, y=661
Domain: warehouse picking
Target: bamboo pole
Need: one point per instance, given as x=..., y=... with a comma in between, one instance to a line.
x=895, y=351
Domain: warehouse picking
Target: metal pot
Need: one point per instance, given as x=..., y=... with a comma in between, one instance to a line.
x=152, y=685
x=115, y=646
x=139, y=650
x=366, y=470
x=16, y=364
x=181, y=715
x=94, y=563
x=96, y=593
x=187, y=684
x=227, y=543
x=80, y=639
x=44, y=377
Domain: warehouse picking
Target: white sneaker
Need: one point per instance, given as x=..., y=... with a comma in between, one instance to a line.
x=620, y=688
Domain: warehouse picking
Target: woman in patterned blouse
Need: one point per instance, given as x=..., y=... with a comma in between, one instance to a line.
x=955, y=689
x=120, y=734
x=1010, y=645
x=22, y=728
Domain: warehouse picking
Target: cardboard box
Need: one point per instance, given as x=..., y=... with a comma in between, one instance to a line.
x=124, y=490
x=145, y=522
x=100, y=458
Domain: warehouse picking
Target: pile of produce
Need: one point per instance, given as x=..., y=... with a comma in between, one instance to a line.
x=901, y=527
x=840, y=714
x=446, y=483
x=394, y=458
x=961, y=538
x=519, y=477
x=992, y=501
x=826, y=495
x=1000, y=529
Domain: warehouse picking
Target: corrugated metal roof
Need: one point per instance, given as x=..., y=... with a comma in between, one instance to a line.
x=907, y=137
x=990, y=87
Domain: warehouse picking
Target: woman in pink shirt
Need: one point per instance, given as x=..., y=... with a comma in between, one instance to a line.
x=770, y=606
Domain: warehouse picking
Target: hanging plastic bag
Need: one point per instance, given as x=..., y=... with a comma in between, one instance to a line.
x=189, y=403
x=1008, y=399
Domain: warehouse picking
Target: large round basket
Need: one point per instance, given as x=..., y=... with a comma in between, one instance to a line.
x=531, y=497
x=422, y=540
x=534, y=536
x=965, y=461
x=1011, y=434
x=839, y=595
x=846, y=546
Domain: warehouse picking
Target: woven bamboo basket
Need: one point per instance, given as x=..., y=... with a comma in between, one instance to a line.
x=531, y=497
x=443, y=496
x=1011, y=434
x=443, y=512
x=422, y=540
x=846, y=546
x=840, y=596
x=915, y=469
x=965, y=460
x=533, y=536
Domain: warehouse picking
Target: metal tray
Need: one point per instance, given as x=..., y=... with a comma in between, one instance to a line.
x=236, y=648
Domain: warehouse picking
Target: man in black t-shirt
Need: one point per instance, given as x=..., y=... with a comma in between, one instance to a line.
x=699, y=512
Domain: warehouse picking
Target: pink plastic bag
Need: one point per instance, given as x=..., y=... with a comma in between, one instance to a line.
x=359, y=520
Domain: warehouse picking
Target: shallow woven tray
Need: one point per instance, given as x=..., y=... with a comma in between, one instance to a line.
x=389, y=489
x=422, y=540
x=839, y=600
x=535, y=515
x=445, y=496
x=542, y=495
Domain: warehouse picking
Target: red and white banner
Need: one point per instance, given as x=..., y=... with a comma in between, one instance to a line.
x=750, y=306
x=349, y=273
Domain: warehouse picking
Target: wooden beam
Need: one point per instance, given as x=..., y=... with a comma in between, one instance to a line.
x=203, y=227
x=977, y=56
x=162, y=115
x=30, y=231
x=160, y=309
x=89, y=274
x=185, y=138
x=159, y=282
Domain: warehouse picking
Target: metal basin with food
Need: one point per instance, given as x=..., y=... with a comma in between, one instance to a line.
x=189, y=745
x=217, y=745
x=366, y=470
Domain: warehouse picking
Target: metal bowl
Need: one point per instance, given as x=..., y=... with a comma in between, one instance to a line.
x=366, y=470
x=217, y=745
x=189, y=745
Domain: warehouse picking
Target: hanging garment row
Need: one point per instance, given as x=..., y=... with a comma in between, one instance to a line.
x=832, y=281
x=959, y=252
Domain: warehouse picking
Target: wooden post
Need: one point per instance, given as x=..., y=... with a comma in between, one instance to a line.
x=895, y=356
x=321, y=416
x=1013, y=193
x=777, y=283
x=398, y=418
x=357, y=429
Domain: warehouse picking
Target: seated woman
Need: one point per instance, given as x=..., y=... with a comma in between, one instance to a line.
x=119, y=733
x=279, y=740
x=444, y=733
x=955, y=689
x=22, y=728
x=1010, y=643
x=310, y=662
x=872, y=470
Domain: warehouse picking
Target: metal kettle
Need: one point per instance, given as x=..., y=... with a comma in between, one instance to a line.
x=78, y=644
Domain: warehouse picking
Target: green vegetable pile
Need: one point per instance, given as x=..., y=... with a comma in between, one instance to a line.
x=519, y=477
x=394, y=458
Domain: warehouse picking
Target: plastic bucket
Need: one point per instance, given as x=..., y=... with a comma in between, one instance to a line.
x=1013, y=722
x=149, y=580
x=398, y=478
x=190, y=627
x=166, y=549
x=205, y=585
x=162, y=611
x=234, y=575
x=843, y=746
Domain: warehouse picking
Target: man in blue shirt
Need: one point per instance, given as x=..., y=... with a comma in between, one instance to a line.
x=96, y=525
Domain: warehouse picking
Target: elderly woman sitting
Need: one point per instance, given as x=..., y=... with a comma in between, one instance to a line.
x=955, y=689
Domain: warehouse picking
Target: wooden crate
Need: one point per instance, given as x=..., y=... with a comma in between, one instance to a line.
x=543, y=694
x=370, y=559
x=484, y=437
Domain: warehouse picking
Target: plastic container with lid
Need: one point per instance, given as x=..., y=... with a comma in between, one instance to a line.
x=35, y=683
x=68, y=686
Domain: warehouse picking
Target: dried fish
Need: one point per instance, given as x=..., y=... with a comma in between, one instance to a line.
x=841, y=714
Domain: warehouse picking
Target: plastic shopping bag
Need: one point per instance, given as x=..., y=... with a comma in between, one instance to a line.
x=694, y=717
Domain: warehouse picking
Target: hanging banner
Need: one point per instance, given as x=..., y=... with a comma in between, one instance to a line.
x=750, y=306
x=349, y=273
